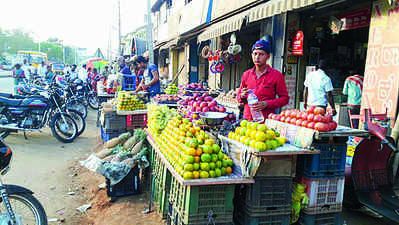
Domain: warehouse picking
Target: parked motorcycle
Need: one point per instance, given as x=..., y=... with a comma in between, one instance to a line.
x=86, y=93
x=19, y=206
x=372, y=180
x=35, y=112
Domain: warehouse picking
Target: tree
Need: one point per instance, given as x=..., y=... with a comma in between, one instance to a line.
x=12, y=41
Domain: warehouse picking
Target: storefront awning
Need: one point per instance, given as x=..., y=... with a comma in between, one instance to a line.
x=170, y=44
x=275, y=7
x=226, y=26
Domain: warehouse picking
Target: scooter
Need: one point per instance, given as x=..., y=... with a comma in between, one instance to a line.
x=372, y=180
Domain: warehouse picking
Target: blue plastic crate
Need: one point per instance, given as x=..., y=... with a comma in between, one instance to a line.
x=320, y=219
x=129, y=82
x=329, y=163
x=107, y=134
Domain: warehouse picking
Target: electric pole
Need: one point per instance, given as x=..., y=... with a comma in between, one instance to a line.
x=119, y=28
x=149, y=32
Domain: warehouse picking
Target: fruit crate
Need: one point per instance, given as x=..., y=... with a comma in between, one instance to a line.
x=114, y=122
x=325, y=195
x=129, y=185
x=266, y=194
x=329, y=163
x=161, y=197
x=129, y=82
x=320, y=219
x=108, y=134
x=193, y=203
x=136, y=121
x=277, y=166
x=175, y=218
x=244, y=217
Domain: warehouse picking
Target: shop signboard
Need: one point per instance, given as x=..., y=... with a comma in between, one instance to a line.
x=357, y=19
x=297, y=44
x=381, y=79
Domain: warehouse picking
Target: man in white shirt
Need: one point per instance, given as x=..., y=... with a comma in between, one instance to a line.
x=83, y=73
x=27, y=69
x=42, y=70
x=74, y=74
x=318, y=89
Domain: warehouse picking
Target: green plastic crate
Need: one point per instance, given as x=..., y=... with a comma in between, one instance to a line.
x=192, y=204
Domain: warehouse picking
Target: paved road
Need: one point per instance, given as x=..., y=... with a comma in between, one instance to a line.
x=6, y=84
x=4, y=73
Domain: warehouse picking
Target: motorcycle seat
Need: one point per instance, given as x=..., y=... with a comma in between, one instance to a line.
x=11, y=102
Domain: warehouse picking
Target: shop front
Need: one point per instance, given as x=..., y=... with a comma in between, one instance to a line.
x=338, y=34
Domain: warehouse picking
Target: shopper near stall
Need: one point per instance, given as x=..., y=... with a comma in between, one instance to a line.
x=268, y=83
x=150, y=81
x=318, y=88
x=123, y=68
x=353, y=88
x=106, y=72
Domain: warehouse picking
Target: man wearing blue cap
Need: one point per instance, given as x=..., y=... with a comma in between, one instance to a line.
x=268, y=83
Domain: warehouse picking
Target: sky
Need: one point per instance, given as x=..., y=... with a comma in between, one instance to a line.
x=80, y=23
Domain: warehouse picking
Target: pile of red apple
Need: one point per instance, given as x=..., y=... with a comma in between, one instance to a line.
x=313, y=118
x=201, y=103
x=166, y=98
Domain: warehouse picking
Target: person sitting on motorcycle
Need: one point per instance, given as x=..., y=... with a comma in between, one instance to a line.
x=18, y=75
x=49, y=74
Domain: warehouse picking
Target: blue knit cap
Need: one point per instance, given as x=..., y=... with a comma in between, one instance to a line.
x=262, y=45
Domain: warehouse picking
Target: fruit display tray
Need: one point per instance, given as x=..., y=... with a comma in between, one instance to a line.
x=196, y=182
x=135, y=112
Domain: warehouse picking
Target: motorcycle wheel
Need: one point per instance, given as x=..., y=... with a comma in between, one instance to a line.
x=92, y=101
x=79, y=120
x=4, y=132
x=27, y=207
x=65, y=133
x=79, y=106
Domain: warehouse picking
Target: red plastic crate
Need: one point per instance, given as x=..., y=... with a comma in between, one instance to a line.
x=136, y=121
x=325, y=195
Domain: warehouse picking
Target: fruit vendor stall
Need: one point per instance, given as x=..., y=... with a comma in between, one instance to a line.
x=209, y=166
x=296, y=157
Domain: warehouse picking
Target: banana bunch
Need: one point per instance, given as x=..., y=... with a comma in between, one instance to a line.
x=158, y=117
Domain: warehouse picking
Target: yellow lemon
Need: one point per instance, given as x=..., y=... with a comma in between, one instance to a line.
x=260, y=146
x=260, y=136
x=238, y=130
x=262, y=127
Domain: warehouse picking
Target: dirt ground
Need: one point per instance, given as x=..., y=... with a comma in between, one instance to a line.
x=52, y=171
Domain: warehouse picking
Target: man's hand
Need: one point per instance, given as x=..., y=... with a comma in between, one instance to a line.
x=260, y=106
x=244, y=93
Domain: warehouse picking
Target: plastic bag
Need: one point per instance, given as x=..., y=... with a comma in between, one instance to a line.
x=114, y=171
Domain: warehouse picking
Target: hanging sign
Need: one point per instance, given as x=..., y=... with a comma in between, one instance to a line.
x=297, y=43
x=357, y=19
